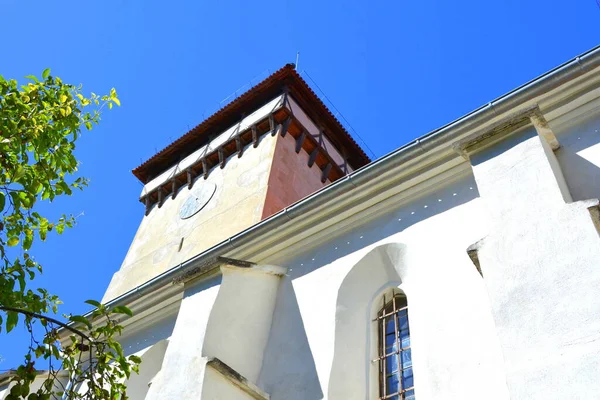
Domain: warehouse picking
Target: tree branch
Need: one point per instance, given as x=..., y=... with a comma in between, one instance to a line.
x=49, y=319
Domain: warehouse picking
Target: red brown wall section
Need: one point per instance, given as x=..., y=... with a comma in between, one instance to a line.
x=290, y=178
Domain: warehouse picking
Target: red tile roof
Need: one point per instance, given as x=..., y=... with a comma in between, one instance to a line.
x=247, y=103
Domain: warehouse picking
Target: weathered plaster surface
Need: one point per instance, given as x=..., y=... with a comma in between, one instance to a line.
x=236, y=205
x=579, y=154
x=540, y=265
x=338, y=283
x=290, y=179
x=229, y=320
x=184, y=364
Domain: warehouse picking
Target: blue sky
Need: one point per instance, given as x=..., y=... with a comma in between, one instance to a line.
x=395, y=70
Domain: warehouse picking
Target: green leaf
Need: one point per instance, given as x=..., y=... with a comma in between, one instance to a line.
x=28, y=239
x=122, y=310
x=32, y=77
x=93, y=303
x=46, y=73
x=11, y=320
x=13, y=241
x=117, y=101
x=88, y=125
x=135, y=359
x=19, y=174
x=2, y=200
x=81, y=319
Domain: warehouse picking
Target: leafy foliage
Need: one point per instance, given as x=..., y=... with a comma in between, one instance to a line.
x=40, y=123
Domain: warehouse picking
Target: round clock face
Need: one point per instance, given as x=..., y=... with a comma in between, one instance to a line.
x=198, y=198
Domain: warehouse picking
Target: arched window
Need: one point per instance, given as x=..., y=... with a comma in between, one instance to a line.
x=395, y=362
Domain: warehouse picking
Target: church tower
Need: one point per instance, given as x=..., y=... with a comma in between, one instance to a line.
x=272, y=146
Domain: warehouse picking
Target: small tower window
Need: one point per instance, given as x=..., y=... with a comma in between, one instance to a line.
x=395, y=361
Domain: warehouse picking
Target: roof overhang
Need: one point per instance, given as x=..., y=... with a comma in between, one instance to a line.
x=285, y=80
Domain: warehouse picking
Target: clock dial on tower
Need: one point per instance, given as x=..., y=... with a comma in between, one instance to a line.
x=199, y=197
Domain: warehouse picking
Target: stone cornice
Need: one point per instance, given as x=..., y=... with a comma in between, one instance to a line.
x=484, y=138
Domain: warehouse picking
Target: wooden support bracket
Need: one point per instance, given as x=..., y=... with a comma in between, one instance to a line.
x=326, y=172
x=254, y=136
x=148, y=204
x=221, y=157
x=285, y=126
x=174, y=187
x=204, y=168
x=300, y=141
x=190, y=177
x=272, y=124
x=313, y=156
x=160, y=197
x=238, y=145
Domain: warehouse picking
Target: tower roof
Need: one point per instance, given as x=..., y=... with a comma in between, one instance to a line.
x=275, y=84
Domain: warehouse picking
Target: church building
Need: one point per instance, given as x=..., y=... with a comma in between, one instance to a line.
x=275, y=260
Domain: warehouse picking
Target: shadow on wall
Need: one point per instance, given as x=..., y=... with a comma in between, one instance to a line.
x=455, y=194
x=288, y=371
x=579, y=158
x=351, y=371
x=138, y=384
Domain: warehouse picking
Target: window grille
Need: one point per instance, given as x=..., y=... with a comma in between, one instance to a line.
x=395, y=362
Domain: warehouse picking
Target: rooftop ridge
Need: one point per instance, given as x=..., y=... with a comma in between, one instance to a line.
x=286, y=78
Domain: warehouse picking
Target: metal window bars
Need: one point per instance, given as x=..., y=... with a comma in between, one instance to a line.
x=394, y=357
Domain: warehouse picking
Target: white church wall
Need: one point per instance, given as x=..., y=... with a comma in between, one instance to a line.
x=540, y=263
x=288, y=370
x=449, y=310
x=135, y=340
x=183, y=364
x=152, y=358
x=240, y=319
x=579, y=153
x=220, y=388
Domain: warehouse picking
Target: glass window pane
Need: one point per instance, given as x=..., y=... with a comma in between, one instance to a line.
x=409, y=395
x=390, y=340
x=406, y=359
x=389, y=325
x=407, y=378
x=392, y=364
x=392, y=384
x=397, y=366
x=404, y=341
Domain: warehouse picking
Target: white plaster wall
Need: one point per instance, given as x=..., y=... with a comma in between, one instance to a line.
x=152, y=358
x=135, y=340
x=579, y=153
x=288, y=370
x=541, y=266
x=456, y=353
x=184, y=365
x=236, y=205
x=220, y=388
x=240, y=320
